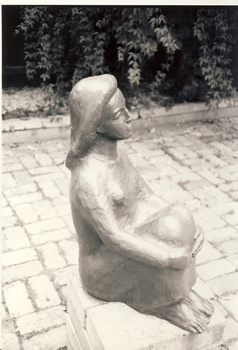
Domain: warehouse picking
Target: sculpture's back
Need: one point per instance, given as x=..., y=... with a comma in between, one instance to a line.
x=132, y=249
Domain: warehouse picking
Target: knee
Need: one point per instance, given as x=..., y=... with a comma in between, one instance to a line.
x=182, y=213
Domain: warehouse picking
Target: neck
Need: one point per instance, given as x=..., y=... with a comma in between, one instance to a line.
x=105, y=149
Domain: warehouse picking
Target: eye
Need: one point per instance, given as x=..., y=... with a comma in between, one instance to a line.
x=118, y=114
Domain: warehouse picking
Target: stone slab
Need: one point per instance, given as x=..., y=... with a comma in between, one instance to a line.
x=72, y=339
x=79, y=330
x=81, y=300
x=116, y=326
x=43, y=129
x=107, y=326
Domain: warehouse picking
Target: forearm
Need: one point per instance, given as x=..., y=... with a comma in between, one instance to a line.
x=137, y=249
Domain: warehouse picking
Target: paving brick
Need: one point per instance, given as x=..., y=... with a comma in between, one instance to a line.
x=193, y=204
x=15, y=238
x=230, y=302
x=63, y=185
x=65, y=170
x=6, y=212
x=201, y=222
x=51, y=256
x=197, y=164
x=234, y=195
x=11, y=167
x=29, y=162
x=9, y=160
x=6, y=153
x=44, y=209
x=206, y=198
x=17, y=191
x=51, y=340
x=217, y=162
x=50, y=236
x=17, y=306
x=44, y=292
x=214, y=269
x=9, y=222
x=44, y=170
x=187, y=177
x=139, y=147
x=207, y=253
x=231, y=168
x=71, y=250
x=181, y=169
x=224, y=285
x=177, y=196
x=21, y=271
x=210, y=176
x=196, y=184
x=221, y=235
x=233, y=345
x=233, y=186
x=160, y=160
x=18, y=257
x=49, y=189
x=183, y=140
x=138, y=160
x=225, y=208
x=231, y=144
x=220, y=146
x=22, y=177
x=187, y=152
x=165, y=170
x=8, y=181
x=203, y=290
x=207, y=215
x=69, y=222
x=217, y=193
x=9, y=340
x=176, y=154
x=154, y=153
x=4, y=202
x=25, y=198
x=43, y=159
x=228, y=248
x=48, y=177
x=45, y=225
x=26, y=213
x=224, y=175
x=233, y=260
x=228, y=159
x=41, y=321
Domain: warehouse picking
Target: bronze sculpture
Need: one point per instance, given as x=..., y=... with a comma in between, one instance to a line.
x=132, y=249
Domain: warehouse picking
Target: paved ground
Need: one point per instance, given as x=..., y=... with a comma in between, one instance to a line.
x=193, y=163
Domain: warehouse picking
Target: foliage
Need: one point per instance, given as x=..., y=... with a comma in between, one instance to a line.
x=187, y=53
x=216, y=29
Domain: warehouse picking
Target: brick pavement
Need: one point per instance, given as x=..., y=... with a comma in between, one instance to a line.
x=193, y=163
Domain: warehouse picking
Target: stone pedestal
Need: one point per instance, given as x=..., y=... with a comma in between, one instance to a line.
x=96, y=325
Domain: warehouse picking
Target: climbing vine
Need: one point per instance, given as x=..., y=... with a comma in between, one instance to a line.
x=185, y=52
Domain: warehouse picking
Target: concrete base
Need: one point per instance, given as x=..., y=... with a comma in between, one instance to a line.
x=95, y=325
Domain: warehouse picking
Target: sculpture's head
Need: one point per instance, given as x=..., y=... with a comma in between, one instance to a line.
x=97, y=109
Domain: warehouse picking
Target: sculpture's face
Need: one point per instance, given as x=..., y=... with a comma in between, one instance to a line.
x=116, y=121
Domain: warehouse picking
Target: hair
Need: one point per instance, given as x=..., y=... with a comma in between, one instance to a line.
x=87, y=101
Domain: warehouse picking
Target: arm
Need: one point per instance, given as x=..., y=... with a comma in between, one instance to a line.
x=97, y=210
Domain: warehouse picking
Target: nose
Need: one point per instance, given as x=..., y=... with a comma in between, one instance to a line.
x=129, y=117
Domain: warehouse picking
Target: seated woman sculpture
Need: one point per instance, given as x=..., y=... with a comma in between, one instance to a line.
x=133, y=248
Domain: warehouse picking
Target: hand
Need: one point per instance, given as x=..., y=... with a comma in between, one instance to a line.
x=179, y=258
x=199, y=239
